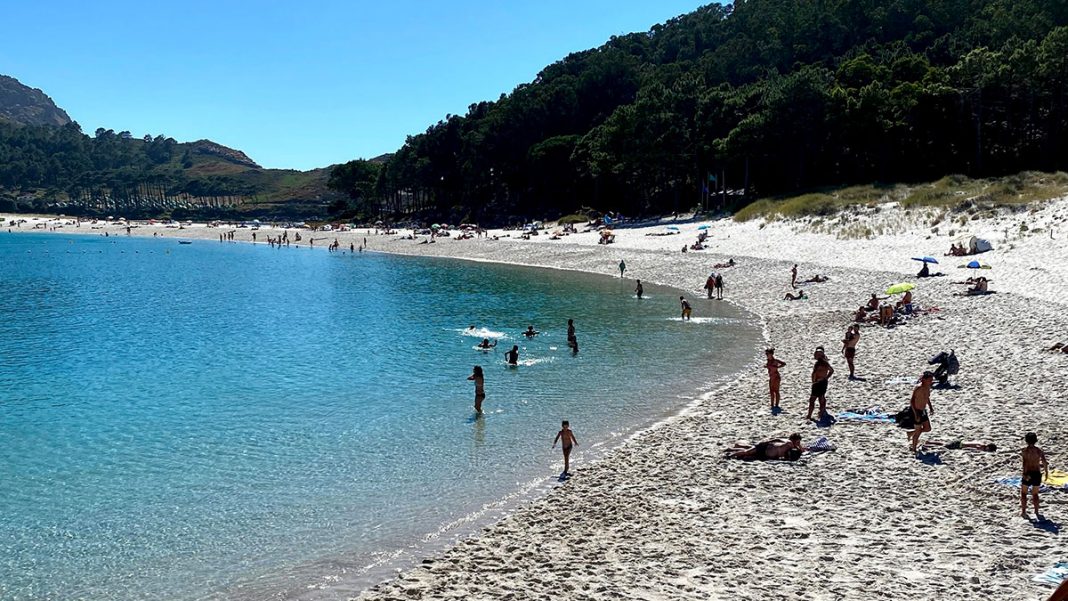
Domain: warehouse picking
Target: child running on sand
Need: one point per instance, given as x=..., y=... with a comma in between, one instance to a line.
x=774, y=378
x=1034, y=465
x=567, y=440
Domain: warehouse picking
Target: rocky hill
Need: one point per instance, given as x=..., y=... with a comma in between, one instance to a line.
x=24, y=105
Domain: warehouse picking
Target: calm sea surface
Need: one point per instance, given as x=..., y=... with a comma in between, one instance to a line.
x=227, y=421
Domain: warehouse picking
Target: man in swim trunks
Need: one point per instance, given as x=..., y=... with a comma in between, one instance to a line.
x=572, y=342
x=921, y=409
x=774, y=449
x=821, y=374
x=567, y=439
x=873, y=302
x=849, y=347
x=1034, y=464
x=719, y=286
x=639, y=290
x=512, y=356
x=686, y=309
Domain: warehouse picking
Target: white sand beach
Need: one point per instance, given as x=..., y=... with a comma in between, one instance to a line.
x=667, y=517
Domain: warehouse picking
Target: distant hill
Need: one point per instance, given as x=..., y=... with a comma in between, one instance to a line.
x=48, y=164
x=28, y=106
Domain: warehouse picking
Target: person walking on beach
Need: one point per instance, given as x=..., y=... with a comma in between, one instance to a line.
x=686, y=308
x=921, y=409
x=1034, y=465
x=793, y=276
x=639, y=290
x=567, y=440
x=849, y=347
x=480, y=390
x=710, y=284
x=774, y=377
x=622, y=267
x=512, y=356
x=719, y=286
x=821, y=374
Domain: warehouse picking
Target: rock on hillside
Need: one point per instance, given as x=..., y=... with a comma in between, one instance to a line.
x=29, y=106
x=229, y=154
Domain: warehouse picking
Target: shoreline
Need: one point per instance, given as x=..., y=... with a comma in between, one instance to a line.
x=664, y=516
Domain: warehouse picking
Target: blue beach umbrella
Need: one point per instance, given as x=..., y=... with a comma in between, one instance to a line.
x=703, y=227
x=977, y=265
x=926, y=259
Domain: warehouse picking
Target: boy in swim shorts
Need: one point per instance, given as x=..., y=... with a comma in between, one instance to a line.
x=567, y=440
x=1034, y=465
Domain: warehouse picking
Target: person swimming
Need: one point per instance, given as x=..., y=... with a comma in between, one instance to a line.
x=512, y=356
x=530, y=333
x=486, y=344
x=639, y=290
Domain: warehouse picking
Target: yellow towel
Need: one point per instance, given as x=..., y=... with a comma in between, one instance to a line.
x=1057, y=478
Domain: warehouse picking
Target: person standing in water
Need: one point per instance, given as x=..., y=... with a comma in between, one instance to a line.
x=849, y=347
x=480, y=390
x=821, y=375
x=719, y=286
x=686, y=308
x=567, y=440
x=622, y=267
x=571, y=340
x=774, y=377
x=639, y=290
x=793, y=276
x=1034, y=464
x=710, y=284
x=512, y=356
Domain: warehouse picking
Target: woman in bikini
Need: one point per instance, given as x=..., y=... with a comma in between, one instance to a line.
x=774, y=378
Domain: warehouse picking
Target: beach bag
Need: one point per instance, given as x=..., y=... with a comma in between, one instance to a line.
x=905, y=418
x=952, y=364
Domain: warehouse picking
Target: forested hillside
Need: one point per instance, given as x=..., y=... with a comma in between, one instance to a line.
x=766, y=96
x=48, y=164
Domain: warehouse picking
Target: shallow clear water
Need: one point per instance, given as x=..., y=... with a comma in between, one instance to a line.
x=213, y=421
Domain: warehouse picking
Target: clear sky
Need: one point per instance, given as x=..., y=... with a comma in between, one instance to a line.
x=297, y=84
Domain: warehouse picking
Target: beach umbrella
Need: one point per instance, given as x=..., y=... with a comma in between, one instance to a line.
x=435, y=227
x=901, y=288
x=706, y=226
x=926, y=259
x=977, y=265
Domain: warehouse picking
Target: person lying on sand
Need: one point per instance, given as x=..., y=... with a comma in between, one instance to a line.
x=799, y=296
x=816, y=279
x=977, y=445
x=1060, y=347
x=724, y=265
x=779, y=449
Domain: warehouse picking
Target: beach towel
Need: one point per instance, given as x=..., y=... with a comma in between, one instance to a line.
x=821, y=444
x=1014, y=481
x=869, y=417
x=1055, y=575
x=1057, y=480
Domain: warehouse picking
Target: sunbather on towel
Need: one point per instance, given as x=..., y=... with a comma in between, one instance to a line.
x=1060, y=347
x=774, y=449
x=978, y=445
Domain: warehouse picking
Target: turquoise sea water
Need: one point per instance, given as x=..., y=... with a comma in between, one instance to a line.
x=225, y=421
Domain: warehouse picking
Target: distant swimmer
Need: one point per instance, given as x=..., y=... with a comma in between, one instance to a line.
x=480, y=390
x=572, y=341
x=686, y=308
x=567, y=440
x=352, y=248
x=512, y=356
x=531, y=332
x=639, y=290
x=486, y=344
x=622, y=267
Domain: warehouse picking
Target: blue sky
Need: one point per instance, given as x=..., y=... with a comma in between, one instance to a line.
x=297, y=84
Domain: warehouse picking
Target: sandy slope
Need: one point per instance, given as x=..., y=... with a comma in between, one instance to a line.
x=665, y=517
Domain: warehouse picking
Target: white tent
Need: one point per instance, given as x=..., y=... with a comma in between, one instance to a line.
x=973, y=245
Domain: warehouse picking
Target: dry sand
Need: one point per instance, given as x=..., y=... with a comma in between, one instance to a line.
x=666, y=517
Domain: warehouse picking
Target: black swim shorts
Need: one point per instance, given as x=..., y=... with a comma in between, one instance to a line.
x=850, y=352
x=1032, y=478
x=819, y=388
